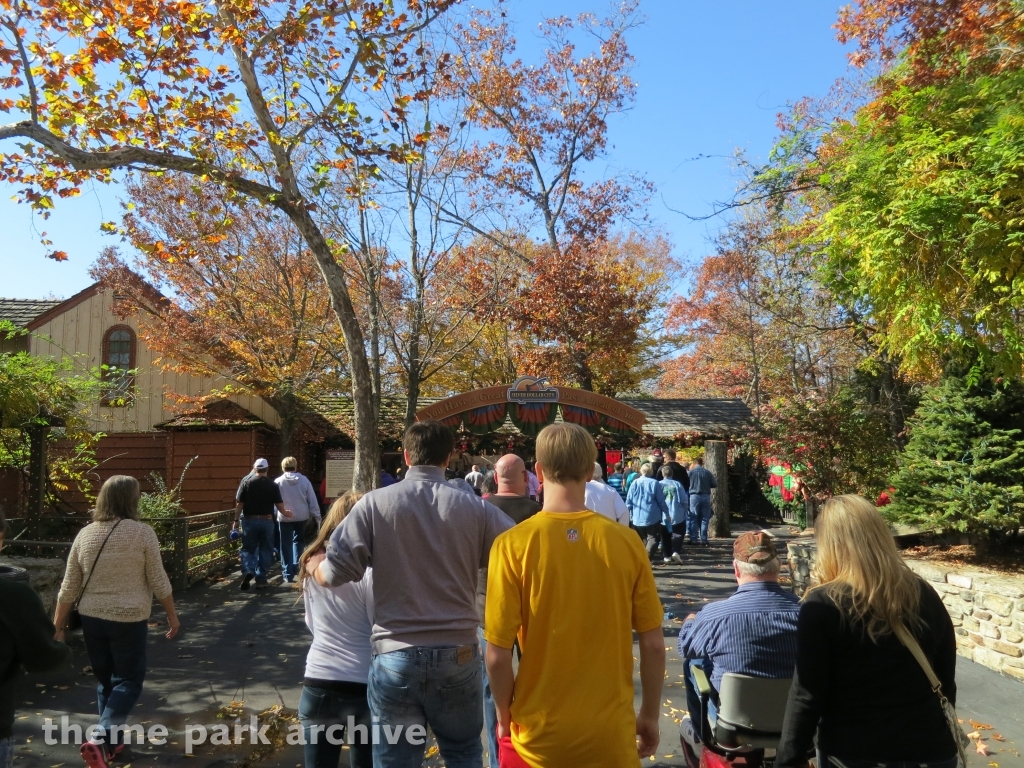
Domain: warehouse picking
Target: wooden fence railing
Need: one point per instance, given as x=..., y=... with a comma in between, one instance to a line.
x=200, y=544
x=192, y=546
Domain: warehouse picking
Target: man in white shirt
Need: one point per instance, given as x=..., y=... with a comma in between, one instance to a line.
x=604, y=499
x=475, y=478
x=532, y=483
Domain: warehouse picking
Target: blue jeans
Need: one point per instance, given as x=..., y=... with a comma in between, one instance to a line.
x=7, y=752
x=292, y=544
x=117, y=652
x=258, y=547
x=428, y=686
x=329, y=707
x=700, y=515
x=490, y=711
x=693, y=698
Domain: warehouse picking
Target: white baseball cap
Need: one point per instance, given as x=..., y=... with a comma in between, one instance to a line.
x=260, y=464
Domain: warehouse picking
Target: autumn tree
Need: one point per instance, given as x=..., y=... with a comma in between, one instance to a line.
x=241, y=300
x=537, y=131
x=586, y=313
x=760, y=323
x=936, y=39
x=433, y=263
x=262, y=98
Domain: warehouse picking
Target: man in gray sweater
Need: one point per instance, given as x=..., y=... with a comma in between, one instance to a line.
x=426, y=542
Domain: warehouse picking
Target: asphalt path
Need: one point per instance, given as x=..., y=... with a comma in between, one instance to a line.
x=243, y=653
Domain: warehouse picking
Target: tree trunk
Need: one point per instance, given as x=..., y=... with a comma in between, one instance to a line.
x=367, y=465
x=892, y=399
x=37, y=476
x=716, y=459
x=582, y=373
x=375, y=348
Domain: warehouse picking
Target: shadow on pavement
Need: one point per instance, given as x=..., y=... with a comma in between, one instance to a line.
x=250, y=647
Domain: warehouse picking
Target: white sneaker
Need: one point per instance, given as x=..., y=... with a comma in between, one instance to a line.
x=689, y=734
x=667, y=560
x=677, y=558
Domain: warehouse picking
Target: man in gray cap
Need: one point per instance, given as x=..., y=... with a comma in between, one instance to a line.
x=255, y=500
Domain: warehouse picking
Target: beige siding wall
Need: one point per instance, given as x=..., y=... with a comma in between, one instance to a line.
x=79, y=332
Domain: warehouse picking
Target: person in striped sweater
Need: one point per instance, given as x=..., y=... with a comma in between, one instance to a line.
x=753, y=632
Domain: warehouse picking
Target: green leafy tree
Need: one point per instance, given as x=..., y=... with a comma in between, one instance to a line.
x=925, y=219
x=963, y=468
x=41, y=392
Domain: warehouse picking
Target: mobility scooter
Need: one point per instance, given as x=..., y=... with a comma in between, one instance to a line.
x=746, y=730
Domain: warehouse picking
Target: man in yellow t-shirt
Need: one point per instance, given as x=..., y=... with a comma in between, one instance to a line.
x=572, y=585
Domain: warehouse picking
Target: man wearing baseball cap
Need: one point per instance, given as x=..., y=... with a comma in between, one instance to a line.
x=753, y=632
x=254, y=503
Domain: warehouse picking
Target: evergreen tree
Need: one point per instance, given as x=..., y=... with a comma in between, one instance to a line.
x=963, y=467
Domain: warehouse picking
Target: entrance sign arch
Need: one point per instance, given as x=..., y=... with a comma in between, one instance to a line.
x=530, y=401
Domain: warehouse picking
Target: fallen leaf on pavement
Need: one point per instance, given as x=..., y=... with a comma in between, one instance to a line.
x=982, y=749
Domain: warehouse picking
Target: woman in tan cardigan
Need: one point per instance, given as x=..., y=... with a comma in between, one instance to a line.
x=114, y=589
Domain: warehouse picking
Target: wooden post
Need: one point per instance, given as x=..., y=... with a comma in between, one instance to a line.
x=716, y=459
x=180, y=554
x=36, y=480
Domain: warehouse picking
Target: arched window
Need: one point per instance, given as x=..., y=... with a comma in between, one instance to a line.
x=118, y=364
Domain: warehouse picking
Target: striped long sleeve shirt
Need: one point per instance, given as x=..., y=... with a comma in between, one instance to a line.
x=753, y=632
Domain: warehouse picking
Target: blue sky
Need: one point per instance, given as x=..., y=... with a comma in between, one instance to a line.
x=712, y=76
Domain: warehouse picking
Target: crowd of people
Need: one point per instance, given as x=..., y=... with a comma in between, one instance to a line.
x=494, y=606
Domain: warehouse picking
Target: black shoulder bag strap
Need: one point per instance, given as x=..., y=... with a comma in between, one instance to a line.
x=75, y=618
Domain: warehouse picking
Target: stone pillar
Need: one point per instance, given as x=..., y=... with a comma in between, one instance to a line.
x=802, y=555
x=716, y=459
x=45, y=576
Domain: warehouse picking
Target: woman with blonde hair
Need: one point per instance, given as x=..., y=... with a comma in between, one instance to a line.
x=113, y=573
x=857, y=684
x=338, y=662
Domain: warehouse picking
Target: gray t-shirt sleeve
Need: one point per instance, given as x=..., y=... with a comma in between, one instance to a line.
x=350, y=548
x=497, y=522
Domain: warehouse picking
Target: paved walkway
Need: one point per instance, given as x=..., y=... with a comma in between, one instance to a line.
x=250, y=647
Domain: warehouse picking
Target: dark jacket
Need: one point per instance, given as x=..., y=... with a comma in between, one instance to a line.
x=26, y=642
x=868, y=701
x=679, y=473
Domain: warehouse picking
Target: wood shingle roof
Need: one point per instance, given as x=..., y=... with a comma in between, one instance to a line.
x=21, y=312
x=713, y=416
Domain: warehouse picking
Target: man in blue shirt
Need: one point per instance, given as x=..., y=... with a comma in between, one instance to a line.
x=751, y=633
x=617, y=480
x=701, y=483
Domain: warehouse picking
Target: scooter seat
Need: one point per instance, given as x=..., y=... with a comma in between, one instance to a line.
x=750, y=712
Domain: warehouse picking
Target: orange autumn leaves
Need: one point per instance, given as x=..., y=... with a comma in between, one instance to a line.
x=587, y=312
x=244, y=304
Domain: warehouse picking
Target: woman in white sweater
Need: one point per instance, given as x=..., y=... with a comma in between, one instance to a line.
x=338, y=663
x=300, y=498
x=114, y=571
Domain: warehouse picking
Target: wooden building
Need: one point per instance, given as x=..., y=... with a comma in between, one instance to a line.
x=146, y=432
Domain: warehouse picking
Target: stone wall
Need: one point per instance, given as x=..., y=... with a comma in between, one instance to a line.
x=44, y=575
x=801, y=563
x=987, y=611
